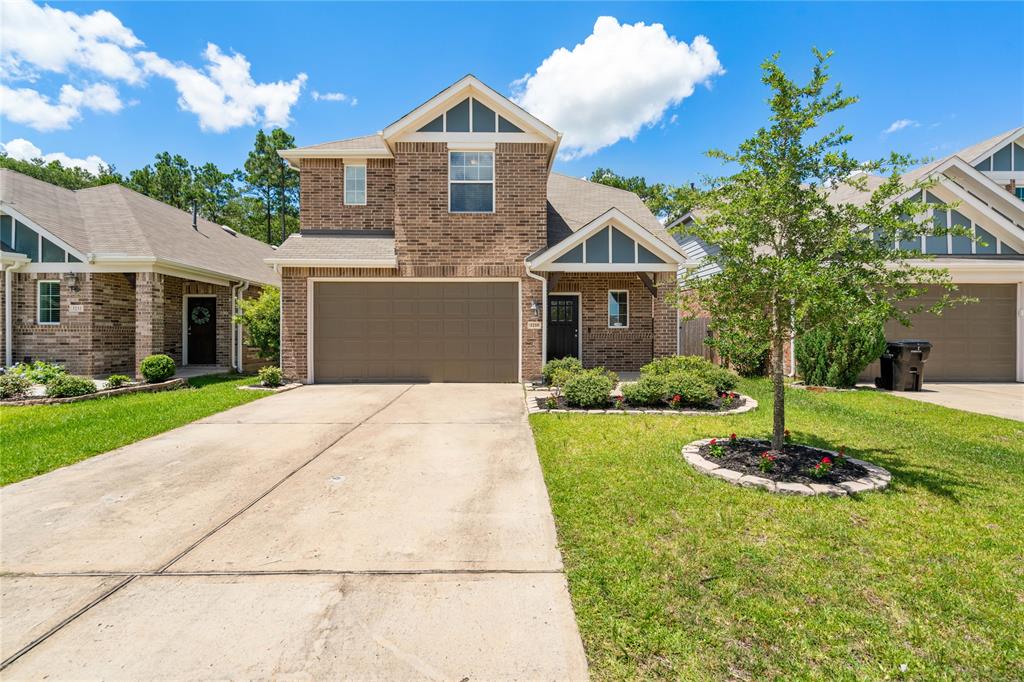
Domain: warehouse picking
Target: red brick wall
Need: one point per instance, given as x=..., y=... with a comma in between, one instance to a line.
x=322, y=196
x=622, y=350
x=68, y=343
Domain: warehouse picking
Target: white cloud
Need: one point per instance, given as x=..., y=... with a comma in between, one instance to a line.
x=621, y=78
x=42, y=38
x=899, y=125
x=23, y=150
x=30, y=107
x=224, y=94
x=329, y=96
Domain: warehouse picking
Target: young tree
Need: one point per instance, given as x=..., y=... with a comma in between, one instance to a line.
x=69, y=177
x=792, y=256
x=270, y=180
x=665, y=201
x=261, y=318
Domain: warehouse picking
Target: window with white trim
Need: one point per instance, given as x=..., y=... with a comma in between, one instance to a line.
x=355, y=185
x=471, y=182
x=49, y=302
x=618, y=309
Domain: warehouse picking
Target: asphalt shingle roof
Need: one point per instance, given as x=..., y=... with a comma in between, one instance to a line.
x=348, y=246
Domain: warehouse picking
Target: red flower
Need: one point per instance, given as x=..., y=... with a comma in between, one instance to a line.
x=714, y=441
x=826, y=460
x=732, y=436
x=732, y=395
x=677, y=397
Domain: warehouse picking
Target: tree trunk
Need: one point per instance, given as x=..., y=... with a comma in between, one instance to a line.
x=778, y=381
x=283, y=235
x=270, y=235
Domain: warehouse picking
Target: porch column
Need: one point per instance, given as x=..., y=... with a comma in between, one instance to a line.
x=149, y=316
x=666, y=318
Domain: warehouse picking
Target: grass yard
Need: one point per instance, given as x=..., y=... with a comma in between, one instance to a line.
x=677, y=575
x=38, y=438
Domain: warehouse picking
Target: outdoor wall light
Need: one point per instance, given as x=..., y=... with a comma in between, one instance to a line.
x=535, y=309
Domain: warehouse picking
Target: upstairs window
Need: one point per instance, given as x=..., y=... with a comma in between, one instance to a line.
x=618, y=309
x=470, y=115
x=471, y=182
x=355, y=185
x=49, y=302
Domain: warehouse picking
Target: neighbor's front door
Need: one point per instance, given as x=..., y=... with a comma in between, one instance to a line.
x=201, y=318
x=563, y=327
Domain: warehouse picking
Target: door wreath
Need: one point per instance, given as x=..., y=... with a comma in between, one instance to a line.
x=200, y=315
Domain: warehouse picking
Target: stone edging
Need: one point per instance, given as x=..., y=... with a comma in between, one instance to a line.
x=276, y=389
x=535, y=396
x=168, y=385
x=877, y=478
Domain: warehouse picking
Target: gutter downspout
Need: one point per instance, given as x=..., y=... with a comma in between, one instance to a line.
x=235, y=328
x=543, y=315
x=238, y=351
x=8, y=314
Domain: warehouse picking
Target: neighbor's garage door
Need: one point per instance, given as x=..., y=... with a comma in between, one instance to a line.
x=971, y=342
x=433, y=331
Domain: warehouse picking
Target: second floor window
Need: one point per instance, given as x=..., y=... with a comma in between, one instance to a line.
x=355, y=185
x=471, y=182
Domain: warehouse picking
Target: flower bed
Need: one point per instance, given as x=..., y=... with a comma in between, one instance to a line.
x=168, y=385
x=796, y=470
x=539, y=399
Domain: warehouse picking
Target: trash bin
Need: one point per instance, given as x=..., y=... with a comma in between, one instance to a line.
x=903, y=365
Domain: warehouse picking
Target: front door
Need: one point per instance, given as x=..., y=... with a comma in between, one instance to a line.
x=201, y=318
x=563, y=327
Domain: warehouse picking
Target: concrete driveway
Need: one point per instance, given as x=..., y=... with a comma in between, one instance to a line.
x=997, y=399
x=352, y=531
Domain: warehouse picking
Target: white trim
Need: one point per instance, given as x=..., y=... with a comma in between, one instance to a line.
x=39, y=297
x=992, y=149
x=977, y=270
x=344, y=187
x=493, y=182
x=330, y=262
x=608, y=302
x=310, y=281
x=610, y=267
x=491, y=139
x=184, y=326
x=1000, y=223
x=42, y=231
x=579, y=323
x=294, y=156
x=474, y=145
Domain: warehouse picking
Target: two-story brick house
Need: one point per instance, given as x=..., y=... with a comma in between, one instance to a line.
x=443, y=248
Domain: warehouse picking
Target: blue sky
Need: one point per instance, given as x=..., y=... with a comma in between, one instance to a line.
x=947, y=69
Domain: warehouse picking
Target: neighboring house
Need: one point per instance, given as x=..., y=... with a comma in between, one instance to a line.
x=982, y=341
x=443, y=248
x=99, y=278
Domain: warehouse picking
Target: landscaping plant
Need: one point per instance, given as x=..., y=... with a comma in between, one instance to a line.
x=14, y=386
x=118, y=380
x=835, y=354
x=568, y=364
x=822, y=468
x=792, y=257
x=648, y=390
x=270, y=376
x=589, y=388
x=261, y=318
x=156, y=368
x=69, y=385
x=720, y=378
x=689, y=390
x=38, y=372
x=767, y=462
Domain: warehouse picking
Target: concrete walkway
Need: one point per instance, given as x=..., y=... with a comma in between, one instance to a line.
x=356, y=532
x=997, y=399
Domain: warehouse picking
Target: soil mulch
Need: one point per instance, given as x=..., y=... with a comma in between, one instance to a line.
x=718, y=405
x=792, y=464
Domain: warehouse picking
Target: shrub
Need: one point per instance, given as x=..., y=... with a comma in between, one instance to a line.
x=39, y=372
x=588, y=388
x=744, y=353
x=569, y=364
x=14, y=386
x=722, y=379
x=649, y=389
x=157, y=368
x=270, y=376
x=834, y=355
x=560, y=376
x=118, y=380
x=693, y=390
x=261, y=318
x=68, y=385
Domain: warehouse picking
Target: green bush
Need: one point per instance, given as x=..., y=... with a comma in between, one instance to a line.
x=118, y=380
x=693, y=390
x=588, y=388
x=569, y=364
x=157, y=368
x=721, y=379
x=835, y=355
x=560, y=376
x=270, y=376
x=39, y=372
x=68, y=385
x=649, y=389
x=14, y=386
x=746, y=355
x=261, y=318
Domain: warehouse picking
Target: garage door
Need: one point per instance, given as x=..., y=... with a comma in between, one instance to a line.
x=418, y=331
x=971, y=342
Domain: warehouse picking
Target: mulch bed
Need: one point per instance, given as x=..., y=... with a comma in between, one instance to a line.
x=717, y=406
x=792, y=464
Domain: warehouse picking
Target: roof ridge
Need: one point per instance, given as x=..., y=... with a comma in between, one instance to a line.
x=596, y=184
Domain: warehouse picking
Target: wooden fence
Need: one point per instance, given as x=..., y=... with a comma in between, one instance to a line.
x=691, y=338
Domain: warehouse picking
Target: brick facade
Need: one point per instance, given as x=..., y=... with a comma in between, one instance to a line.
x=123, y=317
x=322, y=196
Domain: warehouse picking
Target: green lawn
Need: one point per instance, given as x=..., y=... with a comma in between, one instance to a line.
x=677, y=575
x=39, y=438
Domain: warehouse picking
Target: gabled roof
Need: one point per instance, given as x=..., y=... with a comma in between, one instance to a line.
x=346, y=248
x=367, y=146
x=113, y=222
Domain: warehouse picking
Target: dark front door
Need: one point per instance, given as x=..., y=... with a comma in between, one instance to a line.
x=563, y=327
x=201, y=318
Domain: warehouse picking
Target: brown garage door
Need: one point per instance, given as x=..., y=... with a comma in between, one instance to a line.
x=971, y=342
x=420, y=331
